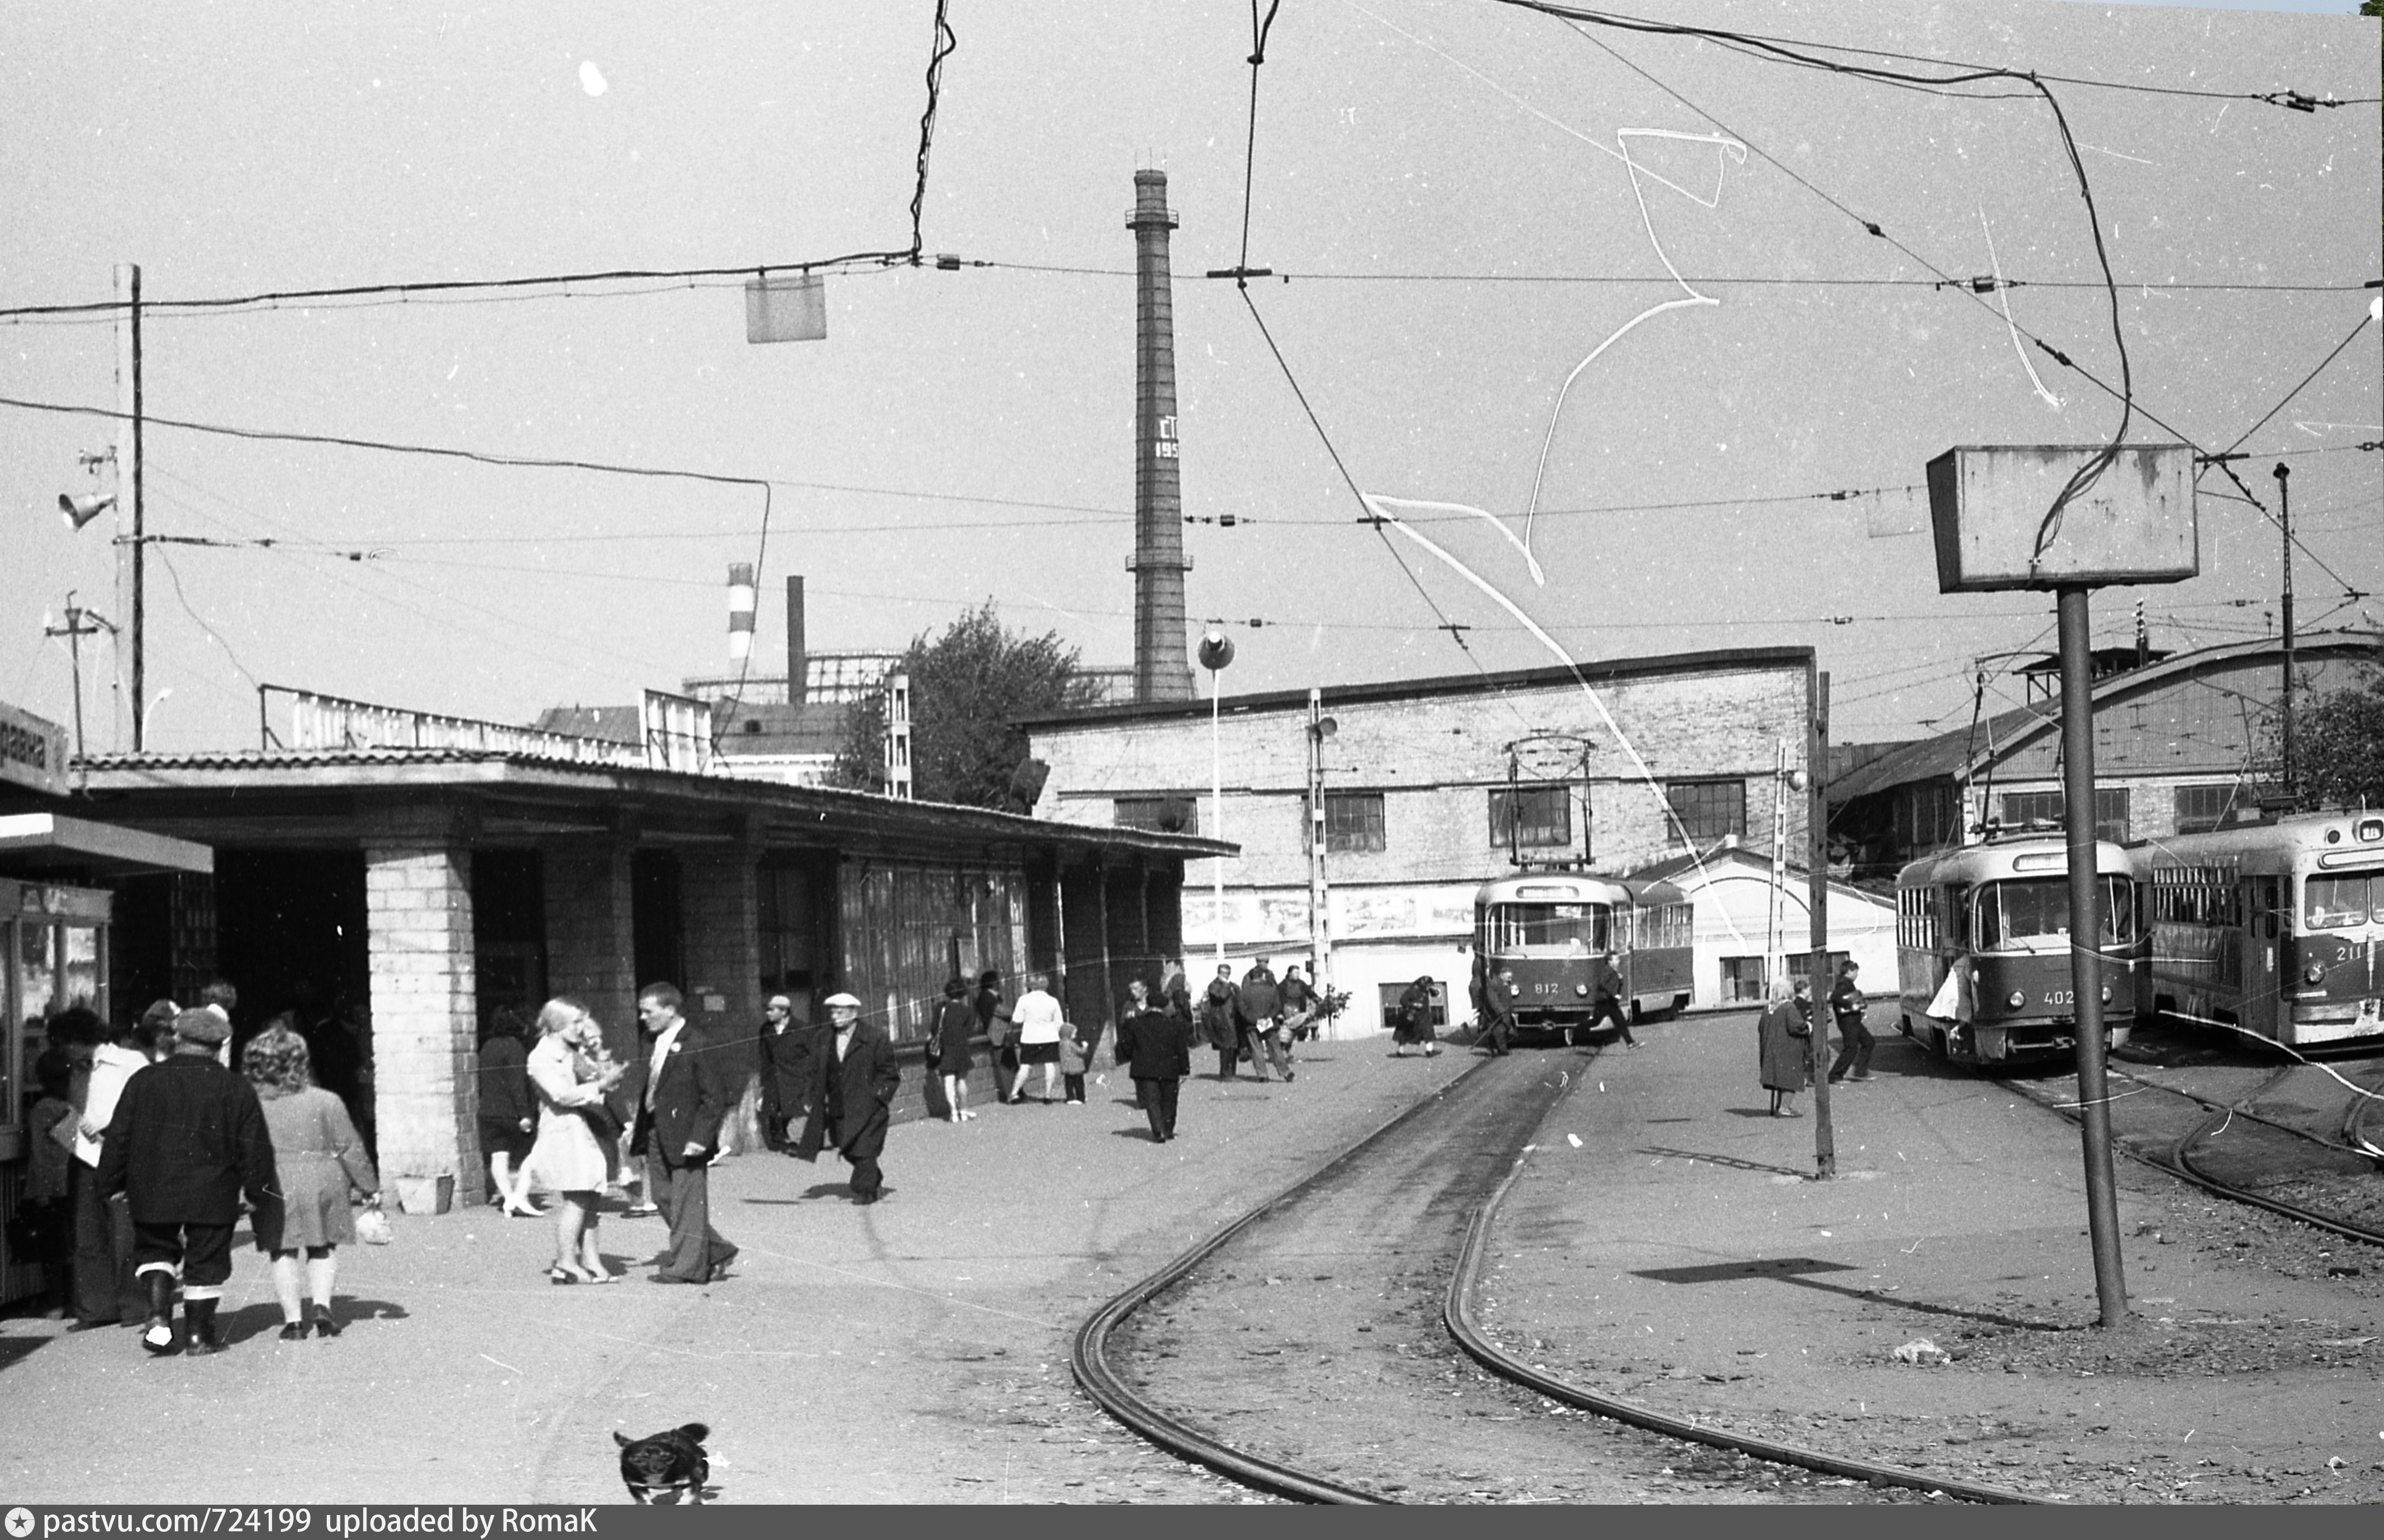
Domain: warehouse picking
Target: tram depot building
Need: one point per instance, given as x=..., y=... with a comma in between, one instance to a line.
x=431, y=885
x=1431, y=787
x=2180, y=742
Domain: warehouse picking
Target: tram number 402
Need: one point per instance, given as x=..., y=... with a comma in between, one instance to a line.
x=2060, y=996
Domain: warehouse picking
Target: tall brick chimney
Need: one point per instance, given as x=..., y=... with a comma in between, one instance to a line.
x=1163, y=671
x=798, y=656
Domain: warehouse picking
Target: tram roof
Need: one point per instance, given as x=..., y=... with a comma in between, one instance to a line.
x=2031, y=855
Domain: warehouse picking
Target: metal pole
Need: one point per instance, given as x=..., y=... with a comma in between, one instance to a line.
x=2086, y=969
x=128, y=468
x=2285, y=521
x=1817, y=857
x=1318, y=916
x=1217, y=799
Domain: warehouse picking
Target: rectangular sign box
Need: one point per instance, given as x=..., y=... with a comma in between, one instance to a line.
x=2134, y=524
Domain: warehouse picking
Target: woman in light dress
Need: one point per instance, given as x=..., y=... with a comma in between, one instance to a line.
x=317, y=1159
x=572, y=1074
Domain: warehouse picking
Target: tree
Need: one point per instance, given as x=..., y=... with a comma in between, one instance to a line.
x=2339, y=742
x=968, y=688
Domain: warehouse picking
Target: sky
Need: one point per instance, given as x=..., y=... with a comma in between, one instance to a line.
x=1464, y=204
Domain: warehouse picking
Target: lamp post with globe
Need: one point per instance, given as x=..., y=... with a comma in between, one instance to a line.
x=1216, y=652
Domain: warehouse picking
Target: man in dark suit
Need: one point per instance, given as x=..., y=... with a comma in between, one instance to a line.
x=1156, y=1047
x=786, y=1047
x=853, y=1081
x=187, y=1140
x=682, y=1088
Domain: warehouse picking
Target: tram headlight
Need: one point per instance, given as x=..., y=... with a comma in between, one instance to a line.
x=1581, y=990
x=2107, y=994
x=2314, y=974
x=2017, y=998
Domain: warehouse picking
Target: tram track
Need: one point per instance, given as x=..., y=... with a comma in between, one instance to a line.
x=1473, y=1136
x=2285, y=1153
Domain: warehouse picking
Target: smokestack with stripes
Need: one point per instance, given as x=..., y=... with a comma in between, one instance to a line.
x=1161, y=670
x=741, y=602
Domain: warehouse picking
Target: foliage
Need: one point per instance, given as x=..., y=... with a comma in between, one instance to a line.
x=968, y=688
x=2339, y=740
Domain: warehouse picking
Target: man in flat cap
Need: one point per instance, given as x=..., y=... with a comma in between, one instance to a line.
x=853, y=1081
x=187, y=1141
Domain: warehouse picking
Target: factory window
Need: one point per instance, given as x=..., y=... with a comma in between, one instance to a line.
x=1540, y=818
x=2201, y=808
x=1159, y=814
x=2021, y=809
x=1708, y=810
x=1353, y=820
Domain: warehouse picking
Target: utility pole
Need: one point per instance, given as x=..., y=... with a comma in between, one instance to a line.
x=128, y=467
x=1320, y=917
x=2285, y=521
x=74, y=631
x=2086, y=961
x=1817, y=847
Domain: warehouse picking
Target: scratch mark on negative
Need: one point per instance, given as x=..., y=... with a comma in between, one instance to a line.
x=2002, y=294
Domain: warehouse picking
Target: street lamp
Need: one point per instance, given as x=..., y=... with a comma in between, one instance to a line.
x=1319, y=942
x=1216, y=652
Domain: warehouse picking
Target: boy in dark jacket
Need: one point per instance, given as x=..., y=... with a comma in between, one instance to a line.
x=187, y=1141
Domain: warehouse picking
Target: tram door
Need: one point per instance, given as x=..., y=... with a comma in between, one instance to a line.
x=2266, y=1007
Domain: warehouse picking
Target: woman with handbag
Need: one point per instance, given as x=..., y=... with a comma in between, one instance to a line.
x=572, y=1075
x=317, y=1158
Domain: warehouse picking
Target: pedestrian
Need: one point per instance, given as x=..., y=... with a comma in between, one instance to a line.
x=994, y=1019
x=317, y=1161
x=1040, y=1020
x=1262, y=1022
x=43, y=1230
x=683, y=1090
x=508, y=1111
x=1298, y=1004
x=1156, y=1048
x=1220, y=1011
x=339, y=1062
x=1606, y=1005
x=1175, y=995
x=105, y=1290
x=1077, y=1045
x=1498, y=1010
x=1412, y=1023
x=572, y=1075
x=950, y=1049
x=1782, y=1043
x=186, y=1143
x=785, y=1051
x=219, y=996
x=854, y=1082
x=1846, y=1003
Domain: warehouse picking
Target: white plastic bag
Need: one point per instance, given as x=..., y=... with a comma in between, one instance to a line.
x=373, y=1229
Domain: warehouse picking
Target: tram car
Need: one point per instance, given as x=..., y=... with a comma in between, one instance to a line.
x=1562, y=931
x=2271, y=927
x=1982, y=949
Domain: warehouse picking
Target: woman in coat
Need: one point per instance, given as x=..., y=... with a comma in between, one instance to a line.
x=572, y=1077
x=508, y=1114
x=1414, y=1020
x=1781, y=1041
x=317, y=1159
x=1220, y=1010
x=948, y=1049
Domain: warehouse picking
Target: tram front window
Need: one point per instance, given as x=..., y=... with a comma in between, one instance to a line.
x=2344, y=903
x=2021, y=914
x=1576, y=927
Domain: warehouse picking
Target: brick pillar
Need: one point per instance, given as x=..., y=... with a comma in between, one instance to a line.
x=418, y=912
x=590, y=943
x=722, y=909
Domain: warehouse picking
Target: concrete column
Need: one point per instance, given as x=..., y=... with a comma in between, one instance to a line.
x=590, y=944
x=721, y=904
x=418, y=910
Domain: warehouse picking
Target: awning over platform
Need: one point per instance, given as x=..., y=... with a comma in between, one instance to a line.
x=44, y=841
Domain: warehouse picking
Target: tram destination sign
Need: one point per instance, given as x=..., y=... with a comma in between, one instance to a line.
x=32, y=751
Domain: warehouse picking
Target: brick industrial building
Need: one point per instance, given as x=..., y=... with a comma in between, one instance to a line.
x=1429, y=787
x=435, y=883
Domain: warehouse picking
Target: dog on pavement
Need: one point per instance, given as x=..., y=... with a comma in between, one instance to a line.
x=672, y=1461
